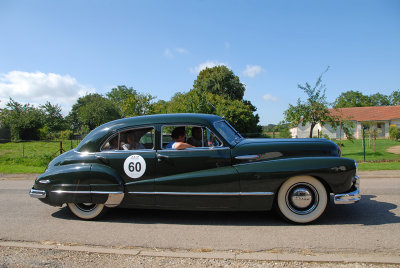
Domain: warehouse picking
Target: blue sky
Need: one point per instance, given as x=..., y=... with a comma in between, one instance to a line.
x=58, y=51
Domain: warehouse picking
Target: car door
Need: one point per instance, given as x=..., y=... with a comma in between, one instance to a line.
x=196, y=178
x=135, y=165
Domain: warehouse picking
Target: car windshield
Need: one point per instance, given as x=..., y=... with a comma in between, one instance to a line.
x=228, y=132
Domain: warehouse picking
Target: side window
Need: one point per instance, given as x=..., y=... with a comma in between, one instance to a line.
x=132, y=139
x=196, y=136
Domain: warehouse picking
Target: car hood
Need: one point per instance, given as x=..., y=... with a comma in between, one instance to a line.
x=265, y=149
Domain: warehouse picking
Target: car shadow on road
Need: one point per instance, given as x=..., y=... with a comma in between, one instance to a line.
x=146, y=216
x=366, y=212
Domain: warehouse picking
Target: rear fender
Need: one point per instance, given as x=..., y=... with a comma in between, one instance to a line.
x=80, y=183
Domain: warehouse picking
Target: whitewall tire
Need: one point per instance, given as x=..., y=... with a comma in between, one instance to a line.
x=302, y=199
x=87, y=211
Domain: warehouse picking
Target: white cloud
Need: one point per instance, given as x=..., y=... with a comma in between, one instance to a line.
x=268, y=97
x=207, y=64
x=181, y=50
x=170, y=53
x=252, y=70
x=38, y=88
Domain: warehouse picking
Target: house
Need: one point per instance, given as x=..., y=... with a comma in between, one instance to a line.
x=381, y=117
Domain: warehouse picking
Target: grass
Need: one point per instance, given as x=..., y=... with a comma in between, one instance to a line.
x=355, y=150
x=378, y=159
x=30, y=157
x=33, y=157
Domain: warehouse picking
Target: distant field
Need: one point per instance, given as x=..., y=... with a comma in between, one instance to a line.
x=33, y=157
x=30, y=157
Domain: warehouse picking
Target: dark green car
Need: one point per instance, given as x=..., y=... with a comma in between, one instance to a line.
x=196, y=162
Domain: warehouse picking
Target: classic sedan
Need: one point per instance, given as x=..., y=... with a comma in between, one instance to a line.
x=196, y=162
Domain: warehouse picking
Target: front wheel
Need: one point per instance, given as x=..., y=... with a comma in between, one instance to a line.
x=302, y=199
x=87, y=211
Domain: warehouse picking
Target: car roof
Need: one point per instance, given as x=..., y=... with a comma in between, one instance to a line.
x=91, y=142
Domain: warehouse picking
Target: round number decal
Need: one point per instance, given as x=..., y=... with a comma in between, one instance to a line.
x=135, y=166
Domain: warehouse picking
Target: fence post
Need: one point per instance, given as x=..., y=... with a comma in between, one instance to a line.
x=364, y=141
x=61, y=148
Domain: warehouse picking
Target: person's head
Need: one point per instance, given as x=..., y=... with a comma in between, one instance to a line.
x=196, y=133
x=129, y=138
x=178, y=134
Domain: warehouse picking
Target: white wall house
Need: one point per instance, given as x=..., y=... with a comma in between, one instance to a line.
x=382, y=117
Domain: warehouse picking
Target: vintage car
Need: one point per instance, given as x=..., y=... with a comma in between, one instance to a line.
x=128, y=163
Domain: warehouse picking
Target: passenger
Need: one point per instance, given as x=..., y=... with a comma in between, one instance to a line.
x=112, y=144
x=178, y=136
x=131, y=144
x=196, y=139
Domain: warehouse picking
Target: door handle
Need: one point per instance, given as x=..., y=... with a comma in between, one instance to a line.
x=103, y=159
x=161, y=157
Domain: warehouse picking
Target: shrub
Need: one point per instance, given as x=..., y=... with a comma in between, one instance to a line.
x=66, y=134
x=44, y=133
x=394, y=132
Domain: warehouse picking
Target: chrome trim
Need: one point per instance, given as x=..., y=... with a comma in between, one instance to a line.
x=44, y=181
x=351, y=197
x=196, y=149
x=84, y=192
x=247, y=157
x=37, y=193
x=207, y=193
x=348, y=198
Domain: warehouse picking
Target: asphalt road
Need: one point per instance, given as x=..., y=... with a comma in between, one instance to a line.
x=372, y=225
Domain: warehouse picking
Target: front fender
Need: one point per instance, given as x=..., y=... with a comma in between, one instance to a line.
x=336, y=173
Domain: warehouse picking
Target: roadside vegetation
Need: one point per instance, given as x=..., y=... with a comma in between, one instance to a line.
x=30, y=157
x=33, y=157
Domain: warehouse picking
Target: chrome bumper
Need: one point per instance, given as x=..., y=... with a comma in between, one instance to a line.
x=37, y=193
x=351, y=197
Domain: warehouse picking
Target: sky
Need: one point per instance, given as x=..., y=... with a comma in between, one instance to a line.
x=58, y=51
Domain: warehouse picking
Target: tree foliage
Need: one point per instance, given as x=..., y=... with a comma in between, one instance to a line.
x=131, y=102
x=357, y=99
x=215, y=91
x=23, y=121
x=314, y=110
x=91, y=111
x=220, y=80
x=53, y=117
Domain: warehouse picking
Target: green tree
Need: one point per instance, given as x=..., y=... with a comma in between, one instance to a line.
x=220, y=80
x=352, y=99
x=131, y=102
x=24, y=121
x=379, y=99
x=357, y=99
x=314, y=110
x=91, y=111
x=395, y=98
x=236, y=112
x=53, y=117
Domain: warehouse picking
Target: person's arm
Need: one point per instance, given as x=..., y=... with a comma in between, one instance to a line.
x=181, y=145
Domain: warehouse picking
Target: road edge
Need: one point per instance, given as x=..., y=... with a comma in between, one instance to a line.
x=273, y=255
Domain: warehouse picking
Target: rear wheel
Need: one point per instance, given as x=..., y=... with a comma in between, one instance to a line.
x=87, y=211
x=302, y=199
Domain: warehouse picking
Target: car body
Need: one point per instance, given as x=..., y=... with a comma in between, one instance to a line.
x=227, y=171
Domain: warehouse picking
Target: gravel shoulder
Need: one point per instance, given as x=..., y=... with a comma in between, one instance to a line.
x=31, y=255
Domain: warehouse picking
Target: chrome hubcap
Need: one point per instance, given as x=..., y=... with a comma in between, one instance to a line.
x=302, y=198
x=86, y=207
